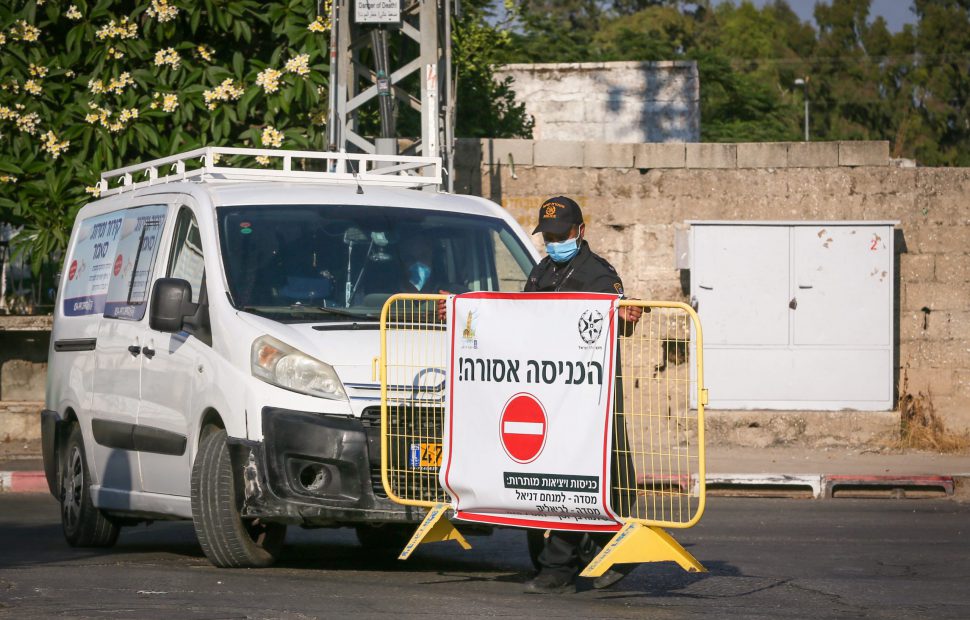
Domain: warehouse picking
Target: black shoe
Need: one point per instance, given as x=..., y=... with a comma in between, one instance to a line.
x=547, y=582
x=613, y=575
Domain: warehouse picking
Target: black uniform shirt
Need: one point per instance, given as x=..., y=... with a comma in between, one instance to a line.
x=585, y=273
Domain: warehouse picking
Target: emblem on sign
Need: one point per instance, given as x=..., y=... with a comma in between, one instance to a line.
x=590, y=326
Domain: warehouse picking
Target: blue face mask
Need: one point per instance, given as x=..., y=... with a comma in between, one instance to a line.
x=418, y=274
x=563, y=251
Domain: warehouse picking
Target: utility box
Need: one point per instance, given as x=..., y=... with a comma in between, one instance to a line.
x=795, y=315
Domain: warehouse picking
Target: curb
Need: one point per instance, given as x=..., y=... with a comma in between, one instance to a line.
x=829, y=486
x=815, y=486
x=23, y=482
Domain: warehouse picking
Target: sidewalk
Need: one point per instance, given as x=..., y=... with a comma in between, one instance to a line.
x=22, y=467
x=752, y=472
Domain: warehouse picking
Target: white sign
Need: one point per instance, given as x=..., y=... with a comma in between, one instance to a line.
x=528, y=429
x=92, y=263
x=378, y=12
x=135, y=255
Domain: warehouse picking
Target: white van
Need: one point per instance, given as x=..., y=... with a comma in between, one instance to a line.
x=214, y=338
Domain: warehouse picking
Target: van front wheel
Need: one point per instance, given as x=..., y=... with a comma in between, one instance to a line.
x=228, y=540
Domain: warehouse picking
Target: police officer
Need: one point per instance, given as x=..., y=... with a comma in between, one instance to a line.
x=572, y=266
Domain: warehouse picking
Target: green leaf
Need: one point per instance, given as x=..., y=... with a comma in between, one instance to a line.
x=237, y=64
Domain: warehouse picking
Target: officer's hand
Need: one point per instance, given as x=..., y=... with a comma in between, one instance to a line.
x=631, y=314
x=443, y=307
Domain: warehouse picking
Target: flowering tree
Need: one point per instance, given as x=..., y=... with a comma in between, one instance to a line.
x=87, y=86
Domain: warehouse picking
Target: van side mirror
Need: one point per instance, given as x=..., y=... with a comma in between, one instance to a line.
x=171, y=303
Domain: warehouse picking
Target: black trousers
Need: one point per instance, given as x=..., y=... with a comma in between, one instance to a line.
x=566, y=552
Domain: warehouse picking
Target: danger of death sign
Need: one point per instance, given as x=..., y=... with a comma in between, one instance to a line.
x=528, y=429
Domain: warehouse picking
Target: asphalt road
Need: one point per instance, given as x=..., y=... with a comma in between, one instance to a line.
x=768, y=558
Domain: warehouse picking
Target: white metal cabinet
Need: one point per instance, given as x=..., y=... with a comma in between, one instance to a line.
x=796, y=315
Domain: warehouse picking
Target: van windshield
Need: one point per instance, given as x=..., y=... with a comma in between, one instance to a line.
x=330, y=262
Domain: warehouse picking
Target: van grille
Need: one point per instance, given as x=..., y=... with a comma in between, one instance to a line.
x=408, y=426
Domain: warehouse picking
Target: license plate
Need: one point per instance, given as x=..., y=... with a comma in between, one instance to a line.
x=425, y=455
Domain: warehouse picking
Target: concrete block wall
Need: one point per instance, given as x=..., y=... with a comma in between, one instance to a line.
x=610, y=101
x=634, y=211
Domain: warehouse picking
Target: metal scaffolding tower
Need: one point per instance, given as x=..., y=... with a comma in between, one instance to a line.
x=363, y=34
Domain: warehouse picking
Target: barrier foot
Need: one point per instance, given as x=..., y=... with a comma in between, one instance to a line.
x=434, y=529
x=636, y=543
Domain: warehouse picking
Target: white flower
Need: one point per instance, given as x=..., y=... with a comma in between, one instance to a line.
x=27, y=123
x=204, y=52
x=94, y=190
x=269, y=80
x=7, y=178
x=27, y=32
x=128, y=114
x=162, y=10
x=33, y=87
x=319, y=25
x=123, y=29
x=118, y=85
x=72, y=13
x=227, y=91
x=262, y=159
x=38, y=71
x=299, y=65
x=272, y=137
x=51, y=145
x=168, y=56
x=170, y=102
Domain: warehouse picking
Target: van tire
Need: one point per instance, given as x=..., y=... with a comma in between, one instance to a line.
x=227, y=539
x=83, y=524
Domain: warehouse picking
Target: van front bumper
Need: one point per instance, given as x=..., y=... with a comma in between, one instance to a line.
x=314, y=469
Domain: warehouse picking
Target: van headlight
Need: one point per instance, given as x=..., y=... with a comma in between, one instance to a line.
x=280, y=364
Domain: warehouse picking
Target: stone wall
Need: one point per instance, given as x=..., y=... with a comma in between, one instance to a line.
x=610, y=101
x=24, y=341
x=636, y=197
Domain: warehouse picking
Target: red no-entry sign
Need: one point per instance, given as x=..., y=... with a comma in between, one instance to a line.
x=523, y=428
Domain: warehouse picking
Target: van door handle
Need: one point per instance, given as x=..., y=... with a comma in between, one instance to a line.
x=149, y=353
x=135, y=350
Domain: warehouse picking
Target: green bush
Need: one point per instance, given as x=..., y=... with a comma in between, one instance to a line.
x=90, y=86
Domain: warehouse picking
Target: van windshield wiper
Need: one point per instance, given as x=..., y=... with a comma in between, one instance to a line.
x=348, y=313
x=283, y=311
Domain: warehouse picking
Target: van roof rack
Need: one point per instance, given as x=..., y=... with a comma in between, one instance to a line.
x=341, y=168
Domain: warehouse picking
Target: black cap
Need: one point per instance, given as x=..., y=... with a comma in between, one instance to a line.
x=557, y=215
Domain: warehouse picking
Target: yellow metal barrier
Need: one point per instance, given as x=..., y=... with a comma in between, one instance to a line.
x=414, y=359
x=658, y=436
x=659, y=458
